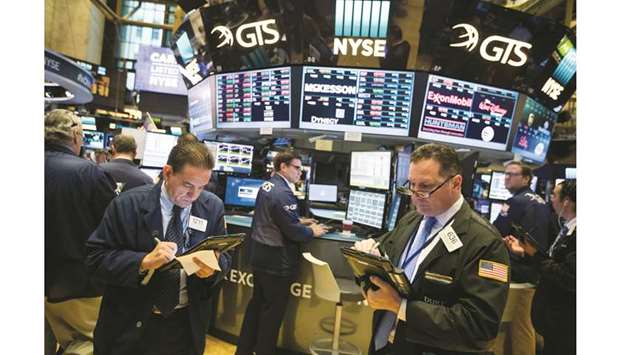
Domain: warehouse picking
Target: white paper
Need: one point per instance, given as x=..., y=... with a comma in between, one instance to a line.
x=206, y=256
x=450, y=239
x=353, y=136
x=266, y=131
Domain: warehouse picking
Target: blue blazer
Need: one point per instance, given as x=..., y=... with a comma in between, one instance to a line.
x=115, y=251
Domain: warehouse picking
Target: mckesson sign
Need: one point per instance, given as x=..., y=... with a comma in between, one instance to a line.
x=361, y=27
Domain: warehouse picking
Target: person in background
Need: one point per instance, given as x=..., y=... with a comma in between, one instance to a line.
x=527, y=210
x=77, y=192
x=187, y=137
x=143, y=229
x=275, y=253
x=555, y=302
x=455, y=260
x=122, y=167
x=101, y=156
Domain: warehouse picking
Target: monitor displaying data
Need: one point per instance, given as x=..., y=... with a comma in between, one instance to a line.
x=461, y=112
x=157, y=147
x=496, y=209
x=533, y=134
x=482, y=206
x=356, y=100
x=254, y=99
x=498, y=191
x=366, y=208
x=152, y=172
x=200, y=107
x=322, y=193
x=93, y=139
x=230, y=157
x=371, y=169
x=241, y=191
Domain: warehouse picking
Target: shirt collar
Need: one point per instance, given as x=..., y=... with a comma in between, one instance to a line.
x=444, y=217
x=571, y=225
x=290, y=185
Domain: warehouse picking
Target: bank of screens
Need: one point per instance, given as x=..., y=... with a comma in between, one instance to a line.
x=93, y=139
x=496, y=208
x=371, y=169
x=534, y=132
x=356, y=100
x=465, y=113
x=230, y=157
x=157, y=147
x=322, y=193
x=498, y=191
x=241, y=192
x=153, y=173
x=200, y=107
x=254, y=99
x=366, y=208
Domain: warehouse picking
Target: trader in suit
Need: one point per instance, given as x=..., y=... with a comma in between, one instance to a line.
x=121, y=167
x=77, y=193
x=455, y=260
x=168, y=313
x=555, y=303
x=275, y=248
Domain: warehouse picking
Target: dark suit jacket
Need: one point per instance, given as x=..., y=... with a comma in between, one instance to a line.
x=77, y=193
x=116, y=250
x=554, y=306
x=126, y=172
x=453, y=310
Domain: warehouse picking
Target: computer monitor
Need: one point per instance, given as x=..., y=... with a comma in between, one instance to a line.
x=462, y=112
x=356, y=100
x=498, y=191
x=496, y=208
x=254, y=99
x=88, y=123
x=242, y=191
x=157, y=147
x=109, y=137
x=481, y=186
x=570, y=173
x=230, y=157
x=93, y=139
x=152, y=172
x=201, y=107
x=393, y=212
x=322, y=193
x=371, y=169
x=482, y=206
x=533, y=135
x=366, y=208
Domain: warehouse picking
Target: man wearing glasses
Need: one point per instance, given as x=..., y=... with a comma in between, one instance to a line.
x=455, y=260
x=275, y=248
x=528, y=211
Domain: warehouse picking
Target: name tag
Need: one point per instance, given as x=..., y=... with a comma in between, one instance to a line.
x=450, y=239
x=197, y=223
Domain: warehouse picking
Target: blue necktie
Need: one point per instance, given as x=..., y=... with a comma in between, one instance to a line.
x=387, y=321
x=563, y=233
x=168, y=281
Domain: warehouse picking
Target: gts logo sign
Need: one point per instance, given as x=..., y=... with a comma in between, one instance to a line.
x=494, y=48
x=249, y=35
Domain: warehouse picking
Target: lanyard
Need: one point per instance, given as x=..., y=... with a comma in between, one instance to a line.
x=426, y=244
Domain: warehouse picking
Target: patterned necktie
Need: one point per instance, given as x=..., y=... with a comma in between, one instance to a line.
x=386, y=324
x=563, y=233
x=168, y=283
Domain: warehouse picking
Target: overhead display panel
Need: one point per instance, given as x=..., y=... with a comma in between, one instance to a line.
x=356, y=100
x=465, y=113
x=254, y=99
x=157, y=71
x=559, y=75
x=201, y=108
x=534, y=132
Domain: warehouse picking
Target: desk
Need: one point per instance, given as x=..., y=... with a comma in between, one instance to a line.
x=306, y=314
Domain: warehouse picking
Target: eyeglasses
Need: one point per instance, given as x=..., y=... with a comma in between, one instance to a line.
x=298, y=167
x=512, y=174
x=407, y=190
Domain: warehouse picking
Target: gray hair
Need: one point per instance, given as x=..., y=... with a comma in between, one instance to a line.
x=59, y=125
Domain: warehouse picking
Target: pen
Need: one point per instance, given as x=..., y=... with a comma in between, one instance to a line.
x=150, y=273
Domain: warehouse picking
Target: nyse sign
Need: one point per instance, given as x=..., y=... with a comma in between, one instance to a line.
x=494, y=48
x=364, y=46
x=553, y=89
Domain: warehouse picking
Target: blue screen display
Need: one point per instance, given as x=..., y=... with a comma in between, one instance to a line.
x=242, y=192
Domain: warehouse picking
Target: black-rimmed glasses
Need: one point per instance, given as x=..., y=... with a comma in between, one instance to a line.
x=407, y=190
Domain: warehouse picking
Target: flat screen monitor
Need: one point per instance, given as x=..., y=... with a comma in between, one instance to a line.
x=241, y=191
x=533, y=134
x=356, y=100
x=366, y=208
x=153, y=173
x=482, y=206
x=393, y=212
x=157, y=147
x=109, y=137
x=461, y=112
x=200, y=107
x=322, y=193
x=232, y=158
x=481, y=186
x=570, y=173
x=93, y=139
x=498, y=191
x=496, y=208
x=371, y=169
x=254, y=99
